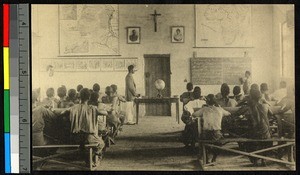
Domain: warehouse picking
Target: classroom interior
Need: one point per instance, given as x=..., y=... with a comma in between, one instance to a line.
x=154, y=143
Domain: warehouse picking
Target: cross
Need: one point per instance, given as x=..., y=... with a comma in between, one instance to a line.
x=155, y=20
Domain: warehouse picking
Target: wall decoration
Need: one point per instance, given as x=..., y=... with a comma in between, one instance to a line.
x=107, y=65
x=81, y=65
x=131, y=61
x=58, y=65
x=69, y=65
x=133, y=35
x=119, y=65
x=223, y=25
x=88, y=29
x=94, y=65
x=177, y=34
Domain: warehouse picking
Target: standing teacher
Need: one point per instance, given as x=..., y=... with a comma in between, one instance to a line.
x=130, y=93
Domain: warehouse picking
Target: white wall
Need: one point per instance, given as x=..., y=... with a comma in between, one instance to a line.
x=45, y=40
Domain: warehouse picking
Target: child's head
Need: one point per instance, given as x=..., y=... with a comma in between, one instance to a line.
x=61, y=92
x=50, y=92
x=84, y=95
x=225, y=90
x=94, y=97
x=211, y=100
x=254, y=86
x=255, y=95
x=236, y=90
x=282, y=84
x=247, y=74
x=72, y=94
x=79, y=87
x=114, y=88
x=264, y=87
x=189, y=86
x=96, y=87
x=108, y=90
x=197, y=92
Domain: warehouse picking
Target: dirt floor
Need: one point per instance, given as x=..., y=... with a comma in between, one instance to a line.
x=154, y=144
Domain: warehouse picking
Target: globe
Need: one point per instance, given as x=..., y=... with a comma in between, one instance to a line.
x=159, y=84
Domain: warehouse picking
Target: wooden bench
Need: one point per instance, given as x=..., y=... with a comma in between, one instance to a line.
x=75, y=149
x=281, y=143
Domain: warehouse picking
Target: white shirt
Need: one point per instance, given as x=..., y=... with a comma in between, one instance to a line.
x=197, y=103
x=279, y=94
x=212, y=117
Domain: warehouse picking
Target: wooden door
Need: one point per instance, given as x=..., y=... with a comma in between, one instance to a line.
x=157, y=67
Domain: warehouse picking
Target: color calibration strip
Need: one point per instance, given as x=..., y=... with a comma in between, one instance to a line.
x=14, y=86
x=6, y=88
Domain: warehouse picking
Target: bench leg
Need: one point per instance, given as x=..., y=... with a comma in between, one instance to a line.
x=204, y=154
x=91, y=158
x=291, y=154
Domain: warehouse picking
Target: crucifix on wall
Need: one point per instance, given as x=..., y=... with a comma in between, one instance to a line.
x=155, y=19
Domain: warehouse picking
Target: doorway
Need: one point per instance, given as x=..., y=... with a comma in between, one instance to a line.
x=157, y=66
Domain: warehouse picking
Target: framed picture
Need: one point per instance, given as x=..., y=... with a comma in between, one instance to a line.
x=81, y=65
x=119, y=65
x=177, y=34
x=69, y=65
x=133, y=35
x=94, y=65
x=131, y=61
x=107, y=65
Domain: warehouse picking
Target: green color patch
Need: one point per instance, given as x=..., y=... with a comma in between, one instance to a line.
x=6, y=111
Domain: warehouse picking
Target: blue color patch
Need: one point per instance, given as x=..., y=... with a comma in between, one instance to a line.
x=7, y=152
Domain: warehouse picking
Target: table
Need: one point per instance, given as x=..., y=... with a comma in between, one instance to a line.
x=169, y=100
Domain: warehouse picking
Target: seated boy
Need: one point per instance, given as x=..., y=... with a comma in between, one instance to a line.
x=190, y=133
x=212, y=116
x=187, y=96
x=237, y=95
x=84, y=123
x=225, y=101
x=71, y=98
x=50, y=101
x=62, y=93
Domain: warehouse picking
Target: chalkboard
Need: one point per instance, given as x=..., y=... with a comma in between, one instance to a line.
x=215, y=71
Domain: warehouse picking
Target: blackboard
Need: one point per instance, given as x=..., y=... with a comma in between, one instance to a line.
x=215, y=71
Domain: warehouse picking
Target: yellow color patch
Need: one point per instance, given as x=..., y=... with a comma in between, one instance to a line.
x=6, y=67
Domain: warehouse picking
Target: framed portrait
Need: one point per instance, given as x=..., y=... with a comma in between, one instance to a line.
x=177, y=34
x=107, y=65
x=119, y=65
x=133, y=35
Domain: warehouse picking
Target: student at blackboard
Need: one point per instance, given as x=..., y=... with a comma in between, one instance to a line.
x=237, y=94
x=187, y=96
x=225, y=101
x=246, y=81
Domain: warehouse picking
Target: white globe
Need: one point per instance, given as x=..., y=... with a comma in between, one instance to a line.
x=159, y=84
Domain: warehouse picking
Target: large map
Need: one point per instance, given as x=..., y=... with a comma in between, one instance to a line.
x=88, y=29
x=223, y=26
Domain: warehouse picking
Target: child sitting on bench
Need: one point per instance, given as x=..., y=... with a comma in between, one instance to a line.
x=212, y=116
x=84, y=123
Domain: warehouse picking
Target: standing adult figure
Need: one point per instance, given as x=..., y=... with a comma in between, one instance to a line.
x=130, y=94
